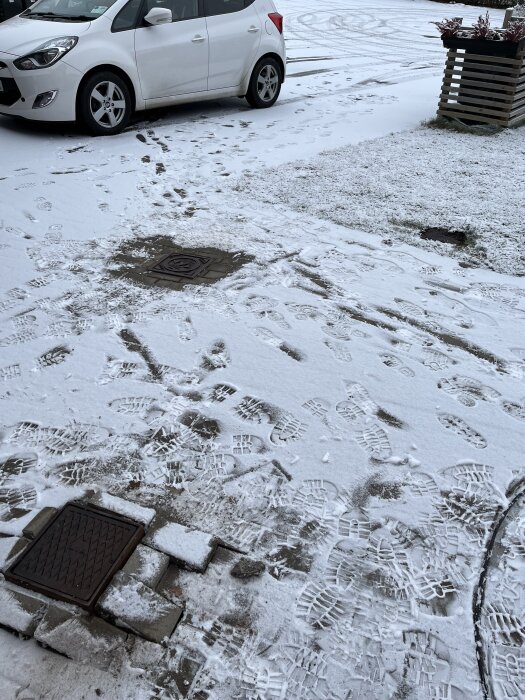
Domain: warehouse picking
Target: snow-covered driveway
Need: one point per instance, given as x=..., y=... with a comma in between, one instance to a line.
x=348, y=412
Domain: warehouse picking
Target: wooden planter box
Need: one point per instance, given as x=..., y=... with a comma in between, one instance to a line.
x=483, y=88
x=486, y=47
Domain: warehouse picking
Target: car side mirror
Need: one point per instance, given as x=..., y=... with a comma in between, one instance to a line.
x=159, y=15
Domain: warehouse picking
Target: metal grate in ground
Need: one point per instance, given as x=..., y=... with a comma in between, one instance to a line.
x=182, y=265
x=75, y=557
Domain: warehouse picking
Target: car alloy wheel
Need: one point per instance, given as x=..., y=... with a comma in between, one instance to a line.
x=107, y=104
x=104, y=103
x=267, y=83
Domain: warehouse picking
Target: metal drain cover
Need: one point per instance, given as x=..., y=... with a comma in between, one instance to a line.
x=77, y=554
x=182, y=265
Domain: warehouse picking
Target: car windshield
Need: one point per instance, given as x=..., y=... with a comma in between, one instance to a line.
x=85, y=10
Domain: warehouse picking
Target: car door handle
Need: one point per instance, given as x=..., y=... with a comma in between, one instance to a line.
x=198, y=38
x=253, y=29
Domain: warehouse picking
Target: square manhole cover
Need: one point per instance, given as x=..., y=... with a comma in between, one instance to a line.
x=77, y=554
x=182, y=265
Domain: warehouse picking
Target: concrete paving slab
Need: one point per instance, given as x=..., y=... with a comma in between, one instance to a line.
x=147, y=565
x=41, y=519
x=130, y=509
x=10, y=548
x=83, y=638
x=192, y=549
x=20, y=611
x=138, y=608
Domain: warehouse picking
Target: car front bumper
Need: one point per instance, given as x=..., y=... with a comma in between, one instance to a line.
x=21, y=88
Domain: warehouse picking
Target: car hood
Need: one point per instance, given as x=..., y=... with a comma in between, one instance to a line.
x=18, y=36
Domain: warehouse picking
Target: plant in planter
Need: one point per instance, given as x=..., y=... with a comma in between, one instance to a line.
x=515, y=31
x=481, y=38
x=482, y=29
x=449, y=27
x=480, y=84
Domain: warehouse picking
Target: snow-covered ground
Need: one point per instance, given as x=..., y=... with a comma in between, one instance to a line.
x=350, y=412
x=401, y=184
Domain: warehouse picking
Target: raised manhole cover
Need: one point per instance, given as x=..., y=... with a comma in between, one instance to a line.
x=77, y=554
x=182, y=265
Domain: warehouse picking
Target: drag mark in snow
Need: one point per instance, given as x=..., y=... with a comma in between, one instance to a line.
x=186, y=330
x=448, y=338
x=133, y=344
x=72, y=171
x=270, y=338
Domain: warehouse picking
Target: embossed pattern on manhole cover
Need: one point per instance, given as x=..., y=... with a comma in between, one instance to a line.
x=77, y=554
x=182, y=265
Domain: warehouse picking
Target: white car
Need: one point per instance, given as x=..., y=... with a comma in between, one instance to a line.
x=98, y=61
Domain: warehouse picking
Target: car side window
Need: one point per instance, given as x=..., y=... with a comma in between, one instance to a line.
x=127, y=17
x=222, y=7
x=180, y=9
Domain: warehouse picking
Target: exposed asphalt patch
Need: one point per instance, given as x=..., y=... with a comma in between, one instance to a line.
x=444, y=235
x=134, y=259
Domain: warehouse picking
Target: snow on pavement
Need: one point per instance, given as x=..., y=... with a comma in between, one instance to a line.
x=349, y=412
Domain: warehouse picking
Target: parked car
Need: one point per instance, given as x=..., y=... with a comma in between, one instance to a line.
x=98, y=61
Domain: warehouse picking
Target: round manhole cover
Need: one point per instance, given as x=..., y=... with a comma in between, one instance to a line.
x=181, y=265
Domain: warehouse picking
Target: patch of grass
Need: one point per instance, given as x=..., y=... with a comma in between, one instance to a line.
x=406, y=223
x=451, y=124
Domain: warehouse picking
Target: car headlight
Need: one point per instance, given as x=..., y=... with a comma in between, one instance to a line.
x=47, y=54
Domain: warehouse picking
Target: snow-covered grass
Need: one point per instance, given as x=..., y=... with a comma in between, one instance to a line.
x=400, y=184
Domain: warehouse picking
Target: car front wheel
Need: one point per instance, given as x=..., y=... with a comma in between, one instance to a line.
x=105, y=104
x=265, y=83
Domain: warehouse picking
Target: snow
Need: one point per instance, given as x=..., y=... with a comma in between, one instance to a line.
x=6, y=546
x=401, y=184
x=191, y=547
x=131, y=510
x=125, y=600
x=12, y=613
x=29, y=671
x=147, y=565
x=79, y=639
x=367, y=397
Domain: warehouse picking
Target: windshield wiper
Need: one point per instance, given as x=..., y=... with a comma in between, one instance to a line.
x=53, y=15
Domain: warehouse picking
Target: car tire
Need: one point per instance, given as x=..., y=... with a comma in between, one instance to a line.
x=265, y=83
x=105, y=104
